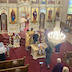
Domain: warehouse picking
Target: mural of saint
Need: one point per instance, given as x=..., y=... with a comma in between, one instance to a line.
x=12, y=1
x=34, y=16
x=59, y=1
x=24, y=0
x=35, y=1
x=49, y=15
x=57, y=15
x=3, y=1
x=43, y=1
x=51, y=1
x=13, y=17
x=69, y=20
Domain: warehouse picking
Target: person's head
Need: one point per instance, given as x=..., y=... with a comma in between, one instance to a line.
x=31, y=29
x=13, y=10
x=27, y=30
x=58, y=60
x=35, y=9
x=36, y=32
x=45, y=29
x=65, y=69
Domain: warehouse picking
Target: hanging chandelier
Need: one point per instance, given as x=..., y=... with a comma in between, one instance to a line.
x=56, y=36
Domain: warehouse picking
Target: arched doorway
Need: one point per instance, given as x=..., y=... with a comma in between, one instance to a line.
x=42, y=18
x=3, y=22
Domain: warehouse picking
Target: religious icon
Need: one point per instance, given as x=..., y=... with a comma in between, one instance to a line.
x=68, y=17
x=49, y=15
x=59, y=1
x=69, y=20
x=22, y=0
x=43, y=1
x=12, y=1
x=35, y=1
x=51, y=1
x=34, y=16
x=57, y=14
x=3, y=1
x=13, y=15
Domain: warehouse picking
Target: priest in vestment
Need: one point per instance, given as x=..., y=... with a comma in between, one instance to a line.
x=31, y=33
x=27, y=39
x=16, y=40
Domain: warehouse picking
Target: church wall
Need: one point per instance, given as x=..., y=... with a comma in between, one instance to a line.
x=38, y=6
x=10, y=27
x=64, y=11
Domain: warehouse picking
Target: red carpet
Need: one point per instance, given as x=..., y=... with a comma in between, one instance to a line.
x=20, y=52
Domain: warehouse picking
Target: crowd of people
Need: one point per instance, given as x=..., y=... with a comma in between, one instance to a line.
x=33, y=37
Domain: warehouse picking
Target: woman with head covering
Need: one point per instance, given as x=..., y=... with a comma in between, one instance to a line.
x=65, y=69
x=48, y=56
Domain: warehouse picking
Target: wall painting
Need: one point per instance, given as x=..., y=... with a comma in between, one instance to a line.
x=51, y=1
x=35, y=1
x=3, y=1
x=50, y=12
x=12, y=1
x=34, y=15
x=12, y=15
x=43, y=1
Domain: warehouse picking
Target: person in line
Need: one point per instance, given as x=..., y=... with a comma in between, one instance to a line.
x=27, y=40
x=65, y=69
x=48, y=56
x=46, y=35
x=58, y=67
x=8, y=50
x=35, y=37
x=57, y=48
x=40, y=35
x=31, y=33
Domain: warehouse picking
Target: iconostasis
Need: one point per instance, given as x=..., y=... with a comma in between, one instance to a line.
x=30, y=10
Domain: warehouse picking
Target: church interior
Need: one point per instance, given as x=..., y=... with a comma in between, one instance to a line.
x=28, y=28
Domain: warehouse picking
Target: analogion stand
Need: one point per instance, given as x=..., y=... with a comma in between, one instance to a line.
x=10, y=34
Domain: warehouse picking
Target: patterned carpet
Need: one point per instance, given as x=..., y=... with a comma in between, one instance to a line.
x=20, y=52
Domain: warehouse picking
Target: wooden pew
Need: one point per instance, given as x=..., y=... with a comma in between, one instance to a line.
x=17, y=69
x=67, y=55
x=67, y=58
x=12, y=63
x=70, y=62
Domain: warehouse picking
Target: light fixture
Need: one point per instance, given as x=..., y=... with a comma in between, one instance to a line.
x=56, y=36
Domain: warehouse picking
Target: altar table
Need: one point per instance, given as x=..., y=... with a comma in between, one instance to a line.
x=35, y=50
